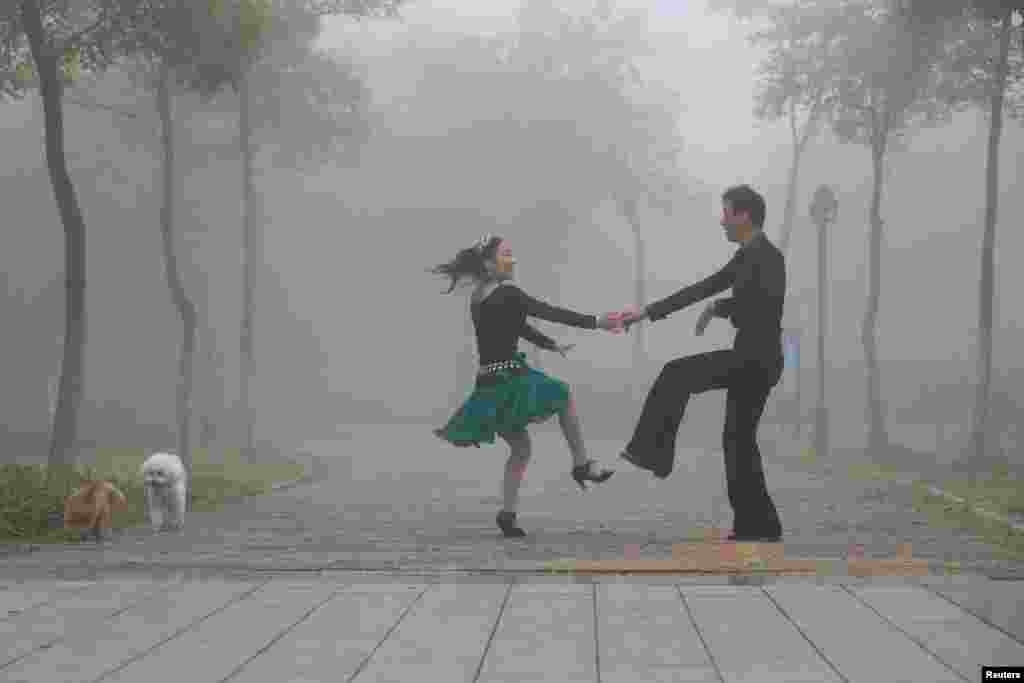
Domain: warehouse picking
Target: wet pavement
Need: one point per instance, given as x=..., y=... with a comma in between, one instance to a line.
x=395, y=498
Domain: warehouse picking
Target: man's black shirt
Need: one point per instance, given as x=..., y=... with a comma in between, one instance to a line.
x=757, y=276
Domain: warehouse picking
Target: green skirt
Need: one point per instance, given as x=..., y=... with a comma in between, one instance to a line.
x=513, y=401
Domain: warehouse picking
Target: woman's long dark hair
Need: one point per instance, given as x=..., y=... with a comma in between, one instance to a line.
x=468, y=263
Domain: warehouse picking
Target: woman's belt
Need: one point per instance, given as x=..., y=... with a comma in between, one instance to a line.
x=495, y=373
x=492, y=368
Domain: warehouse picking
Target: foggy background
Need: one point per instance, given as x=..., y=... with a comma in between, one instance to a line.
x=349, y=328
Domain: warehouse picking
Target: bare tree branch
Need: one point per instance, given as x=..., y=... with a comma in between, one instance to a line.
x=100, y=105
x=79, y=37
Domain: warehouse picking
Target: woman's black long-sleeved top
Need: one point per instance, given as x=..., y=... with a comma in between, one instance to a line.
x=500, y=320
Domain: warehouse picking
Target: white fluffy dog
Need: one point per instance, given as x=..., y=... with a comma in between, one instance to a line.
x=166, y=489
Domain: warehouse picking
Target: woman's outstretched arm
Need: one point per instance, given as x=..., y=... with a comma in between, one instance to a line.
x=536, y=308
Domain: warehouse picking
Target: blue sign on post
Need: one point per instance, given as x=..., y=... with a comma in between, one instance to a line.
x=791, y=348
x=791, y=359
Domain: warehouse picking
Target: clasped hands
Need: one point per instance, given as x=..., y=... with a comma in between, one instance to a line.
x=618, y=322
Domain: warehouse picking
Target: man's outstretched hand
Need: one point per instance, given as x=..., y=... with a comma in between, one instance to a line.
x=631, y=316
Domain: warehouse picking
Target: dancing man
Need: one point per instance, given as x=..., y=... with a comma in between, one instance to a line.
x=748, y=372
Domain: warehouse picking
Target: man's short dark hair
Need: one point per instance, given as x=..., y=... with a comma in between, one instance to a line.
x=744, y=199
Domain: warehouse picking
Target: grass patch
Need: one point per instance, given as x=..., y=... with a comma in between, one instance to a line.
x=999, y=492
x=25, y=500
x=1004, y=539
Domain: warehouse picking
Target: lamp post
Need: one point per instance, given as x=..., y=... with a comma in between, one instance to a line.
x=824, y=210
x=791, y=356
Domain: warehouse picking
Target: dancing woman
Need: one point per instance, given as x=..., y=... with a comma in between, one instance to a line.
x=509, y=395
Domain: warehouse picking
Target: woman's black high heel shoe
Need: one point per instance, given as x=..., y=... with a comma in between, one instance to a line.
x=507, y=524
x=584, y=473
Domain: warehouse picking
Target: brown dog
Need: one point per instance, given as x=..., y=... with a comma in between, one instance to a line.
x=91, y=508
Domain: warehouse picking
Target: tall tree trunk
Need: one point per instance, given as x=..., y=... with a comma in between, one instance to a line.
x=821, y=435
x=52, y=389
x=207, y=419
x=466, y=361
x=799, y=141
x=217, y=390
x=185, y=307
x=878, y=441
x=246, y=338
x=789, y=212
x=986, y=288
x=64, y=430
x=629, y=210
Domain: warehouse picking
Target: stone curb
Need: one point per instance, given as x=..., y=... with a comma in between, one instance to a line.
x=10, y=549
x=523, y=577
x=830, y=568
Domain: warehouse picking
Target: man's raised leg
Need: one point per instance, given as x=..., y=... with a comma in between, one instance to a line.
x=653, y=446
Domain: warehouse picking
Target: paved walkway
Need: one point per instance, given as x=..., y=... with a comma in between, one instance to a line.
x=397, y=498
x=348, y=627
